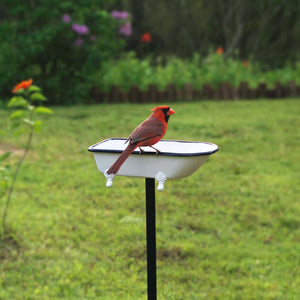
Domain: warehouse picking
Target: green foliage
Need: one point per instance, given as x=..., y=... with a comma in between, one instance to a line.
x=229, y=231
x=284, y=75
x=4, y=170
x=24, y=109
x=23, y=119
x=213, y=69
x=44, y=47
x=126, y=72
x=266, y=30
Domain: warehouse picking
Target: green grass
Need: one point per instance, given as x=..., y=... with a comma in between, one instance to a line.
x=229, y=231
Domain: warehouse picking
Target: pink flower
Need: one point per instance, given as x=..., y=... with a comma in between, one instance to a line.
x=125, y=29
x=66, y=18
x=80, y=29
x=122, y=15
x=79, y=42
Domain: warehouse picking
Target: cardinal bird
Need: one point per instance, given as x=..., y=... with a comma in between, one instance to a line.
x=148, y=133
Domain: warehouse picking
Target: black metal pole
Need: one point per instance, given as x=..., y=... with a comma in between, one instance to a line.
x=151, y=238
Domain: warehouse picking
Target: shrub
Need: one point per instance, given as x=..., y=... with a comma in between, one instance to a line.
x=58, y=43
x=24, y=118
x=125, y=72
x=213, y=69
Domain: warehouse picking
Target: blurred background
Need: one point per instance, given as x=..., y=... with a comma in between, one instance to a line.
x=229, y=231
x=69, y=47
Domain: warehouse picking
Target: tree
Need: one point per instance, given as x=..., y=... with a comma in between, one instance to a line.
x=59, y=53
x=267, y=30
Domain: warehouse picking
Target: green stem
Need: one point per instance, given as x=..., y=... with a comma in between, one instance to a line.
x=14, y=180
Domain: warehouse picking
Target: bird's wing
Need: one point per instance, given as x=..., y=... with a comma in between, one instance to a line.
x=147, y=130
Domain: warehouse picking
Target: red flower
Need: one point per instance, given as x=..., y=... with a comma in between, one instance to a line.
x=220, y=50
x=25, y=84
x=146, y=38
x=246, y=63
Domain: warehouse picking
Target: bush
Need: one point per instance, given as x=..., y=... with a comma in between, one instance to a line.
x=214, y=69
x=58, y=43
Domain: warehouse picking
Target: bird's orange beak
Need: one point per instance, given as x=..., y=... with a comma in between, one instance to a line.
x=171, y=112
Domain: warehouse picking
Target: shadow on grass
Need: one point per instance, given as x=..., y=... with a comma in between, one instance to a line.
x=10, y=246
x=175, y=253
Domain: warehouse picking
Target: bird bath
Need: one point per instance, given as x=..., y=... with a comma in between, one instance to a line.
x=176, y=159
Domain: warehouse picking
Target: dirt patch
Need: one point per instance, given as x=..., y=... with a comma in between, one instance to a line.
x=175, y=253
x=9, y=247
x=10, y=148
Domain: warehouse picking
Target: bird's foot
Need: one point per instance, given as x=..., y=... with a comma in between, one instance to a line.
x=157, y=151
x=141, y=150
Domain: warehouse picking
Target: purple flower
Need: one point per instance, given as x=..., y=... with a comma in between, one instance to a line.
x=66, y=18
x=80, y=29
x=125, y=29
x=115, y=14
x=79, y=42
x=119, y=14
x=92, y=38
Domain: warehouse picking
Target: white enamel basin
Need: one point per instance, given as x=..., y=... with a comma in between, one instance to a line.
x=176, y=159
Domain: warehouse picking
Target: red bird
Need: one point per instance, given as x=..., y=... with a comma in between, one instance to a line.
x=148, y=133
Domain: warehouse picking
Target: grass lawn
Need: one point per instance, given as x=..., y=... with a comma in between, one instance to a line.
x=229, y=231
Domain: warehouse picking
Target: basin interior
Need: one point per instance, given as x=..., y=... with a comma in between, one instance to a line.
x=166, y=147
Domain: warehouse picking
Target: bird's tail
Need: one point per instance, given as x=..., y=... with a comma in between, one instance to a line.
x=119, y=162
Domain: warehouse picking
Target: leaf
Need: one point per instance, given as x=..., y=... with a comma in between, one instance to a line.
x=15, y=124
x=19, y=131
x=7, y=168
x=43, y=110
x=20, y=91
x=37, y=126
x=38, y=97
x=34, y=88
x=17, y=101
x=5, y=156
x=29, y=122
x=16, y=115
